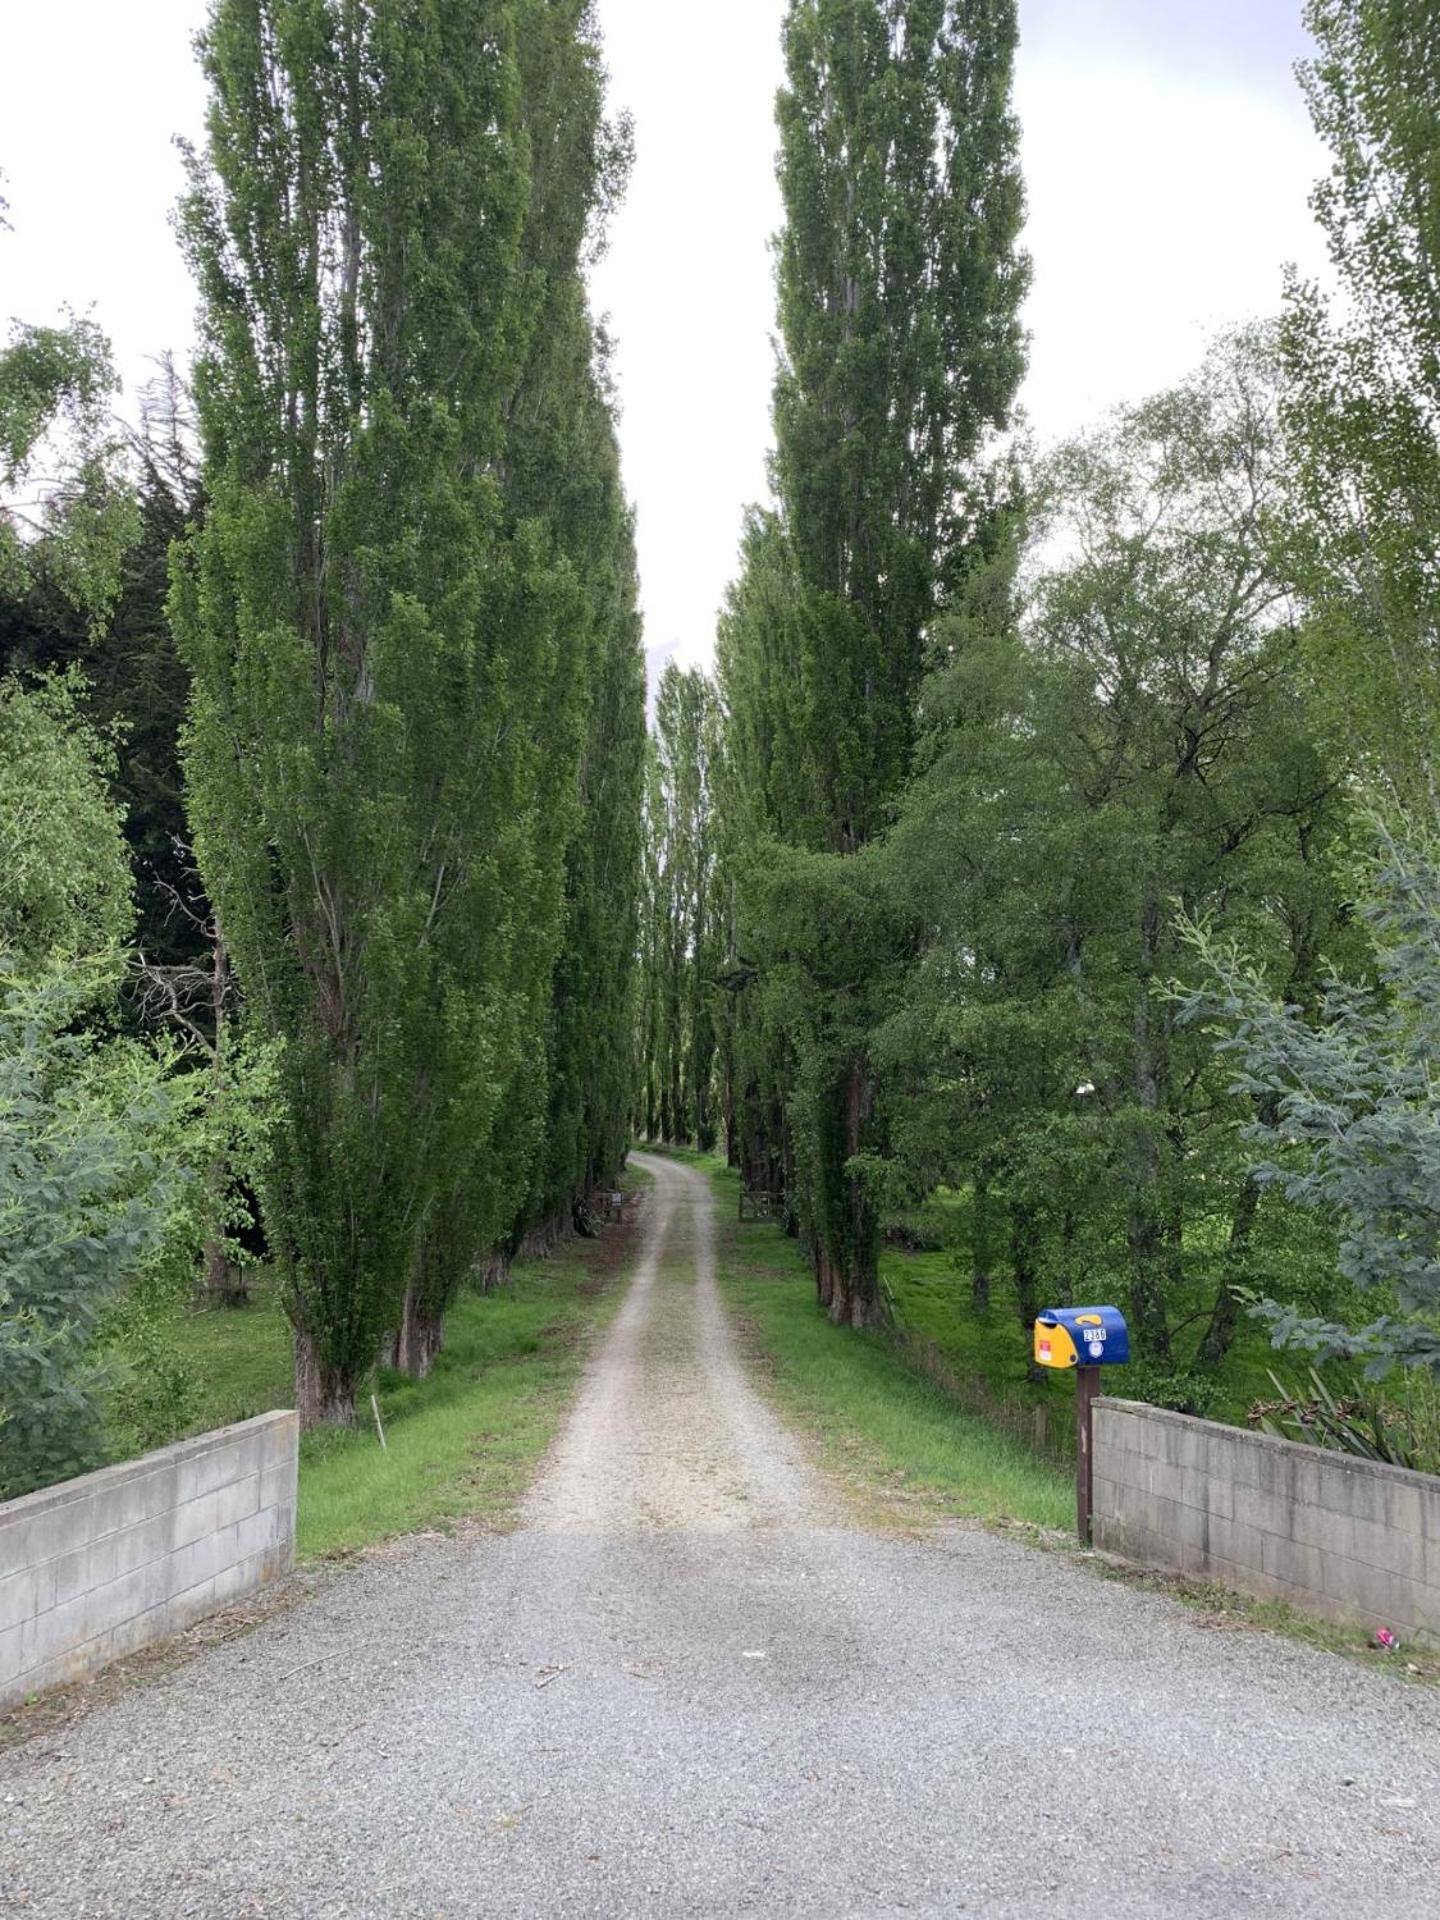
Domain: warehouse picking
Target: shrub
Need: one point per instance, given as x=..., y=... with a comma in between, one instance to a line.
x=84, y=1199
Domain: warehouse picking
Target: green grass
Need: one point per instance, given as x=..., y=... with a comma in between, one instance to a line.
x=980, y=1358
x=240, y=1357
x=462, y=1444
x=877, y=1421
x=933, y=1300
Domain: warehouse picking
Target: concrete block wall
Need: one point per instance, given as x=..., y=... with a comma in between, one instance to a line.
x=97, y=1567
x=1345, y=1537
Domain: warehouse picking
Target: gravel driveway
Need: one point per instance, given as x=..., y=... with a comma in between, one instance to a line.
x=687, y=1686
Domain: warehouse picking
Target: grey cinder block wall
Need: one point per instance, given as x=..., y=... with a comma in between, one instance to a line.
x=100, y=1566
x=1343, y=1536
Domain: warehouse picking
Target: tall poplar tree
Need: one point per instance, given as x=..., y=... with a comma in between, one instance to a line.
x=562, y=471
x=899, y=287
x=1363, y=408
x=565, y=514
x=681, y=912
x=363, y=633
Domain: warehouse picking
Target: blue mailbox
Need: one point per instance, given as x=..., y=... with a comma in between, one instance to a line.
x=1081, y=1337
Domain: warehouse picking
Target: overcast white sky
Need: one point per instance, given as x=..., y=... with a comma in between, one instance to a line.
x=1167, y=154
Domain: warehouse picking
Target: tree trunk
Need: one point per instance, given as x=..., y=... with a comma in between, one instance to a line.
x=542, y=1238
x=1027, y=1286
x=855, y=1299
x=422, y=1334
x=824, y=1278
x=324, y=1395
x=982, y=1227
x=850, y=1237
x=495, y=1270
x=225, y=1280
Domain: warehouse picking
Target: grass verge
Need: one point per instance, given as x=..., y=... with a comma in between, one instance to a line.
x=460, y=1445
x=893, y=1436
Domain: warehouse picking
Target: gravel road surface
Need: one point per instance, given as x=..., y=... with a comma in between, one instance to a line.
x=687, y=1686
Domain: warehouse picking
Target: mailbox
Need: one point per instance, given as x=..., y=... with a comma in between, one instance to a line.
x=1081, y=1337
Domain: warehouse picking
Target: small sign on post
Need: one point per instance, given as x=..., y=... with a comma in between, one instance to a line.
x=1085, y=1338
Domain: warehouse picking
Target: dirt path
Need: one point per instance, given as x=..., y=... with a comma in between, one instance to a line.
x=668, y=1431
x=688, y=1686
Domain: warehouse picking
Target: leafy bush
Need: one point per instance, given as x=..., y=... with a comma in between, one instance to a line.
x=1193, y=1393
x=1359, y=1421
x=84, y=1199
x=65, y=884
x=152, y=1394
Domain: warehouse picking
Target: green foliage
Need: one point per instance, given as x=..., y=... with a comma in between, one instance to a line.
x=409, y=614
x=563, y=467
x=1349, y=1111
x=1139, y=743
x=682, y=909
x=899, y=285
x=152, y=1394
x=1184, y=1392
x=135, y=687
x=84, y=1199
x=899, y=289
x=98, y=1131
x=1358, y=1421
x=1364, y=393
x=65, y=885
x=56, y=384
x=1340, y=1078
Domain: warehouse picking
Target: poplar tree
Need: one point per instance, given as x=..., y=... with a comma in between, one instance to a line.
x=563, y=471
x=564, y=514
x=899, y=286
x=353, y=613
x=681, y=911
x=1363, y=405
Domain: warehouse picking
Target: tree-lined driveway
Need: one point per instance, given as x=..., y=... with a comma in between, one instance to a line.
x=689, y=1685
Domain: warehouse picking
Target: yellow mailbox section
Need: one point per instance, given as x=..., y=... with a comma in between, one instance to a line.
x=1053, y=1346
